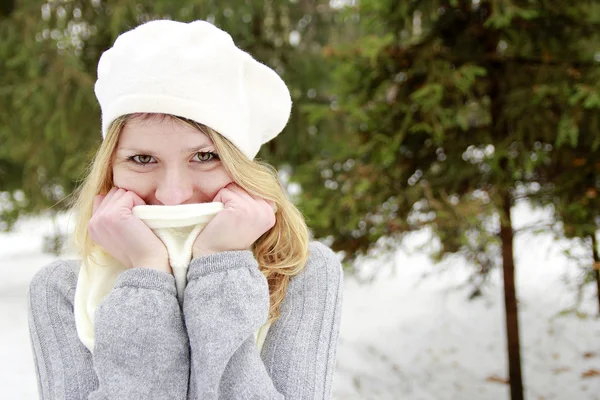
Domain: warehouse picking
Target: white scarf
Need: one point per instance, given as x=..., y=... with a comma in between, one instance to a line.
x=177, y=227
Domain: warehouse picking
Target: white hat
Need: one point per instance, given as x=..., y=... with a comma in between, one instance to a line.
x=193, y=70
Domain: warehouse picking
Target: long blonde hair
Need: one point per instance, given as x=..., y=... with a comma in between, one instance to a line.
x=281, y=252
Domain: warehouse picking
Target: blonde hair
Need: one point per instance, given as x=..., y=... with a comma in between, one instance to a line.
x=281, y=252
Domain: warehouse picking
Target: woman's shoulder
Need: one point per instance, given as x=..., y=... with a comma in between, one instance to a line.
x=322, y=264
x=320, y=253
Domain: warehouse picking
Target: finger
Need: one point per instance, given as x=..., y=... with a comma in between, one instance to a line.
x=225, y=196
x=105, y=199
x=118, y=194
x=113, y=197
x=242, y=192
x=249, y=197
x=111, y=193
x=235, y=188
x=125, y=199
x=135, y=199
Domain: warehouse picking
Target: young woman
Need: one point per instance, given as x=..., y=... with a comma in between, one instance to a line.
x=184, y=112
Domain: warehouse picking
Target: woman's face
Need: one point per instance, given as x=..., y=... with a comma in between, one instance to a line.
x=167, y=162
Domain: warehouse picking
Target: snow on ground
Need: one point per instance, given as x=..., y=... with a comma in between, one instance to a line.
x=403, y=336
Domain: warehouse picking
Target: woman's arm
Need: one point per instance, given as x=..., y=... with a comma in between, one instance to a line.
x=300, y=349
x=227, y=300
x=141, y=346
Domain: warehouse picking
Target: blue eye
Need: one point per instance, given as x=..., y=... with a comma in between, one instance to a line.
x=206, y=156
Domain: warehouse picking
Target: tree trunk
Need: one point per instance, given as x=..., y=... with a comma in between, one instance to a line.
x=510, y=302
x=596, y=267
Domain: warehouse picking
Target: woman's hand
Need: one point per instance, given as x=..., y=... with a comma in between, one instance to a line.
x=124, y=236
x=243, y=220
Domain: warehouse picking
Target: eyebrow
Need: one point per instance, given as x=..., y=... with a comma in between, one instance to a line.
x=145, y=151
x=197, y=148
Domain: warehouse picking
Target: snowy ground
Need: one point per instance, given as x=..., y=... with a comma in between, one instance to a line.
x=402, y=336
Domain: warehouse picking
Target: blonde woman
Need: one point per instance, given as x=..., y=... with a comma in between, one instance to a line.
x=255, y=312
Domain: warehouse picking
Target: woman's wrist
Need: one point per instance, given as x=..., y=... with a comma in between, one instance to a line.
x=161, y=265
x=199, y=252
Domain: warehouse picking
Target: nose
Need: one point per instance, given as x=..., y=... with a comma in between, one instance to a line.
x=174, y=188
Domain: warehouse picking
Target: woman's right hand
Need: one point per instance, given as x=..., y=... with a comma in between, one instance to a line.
x=124, y=236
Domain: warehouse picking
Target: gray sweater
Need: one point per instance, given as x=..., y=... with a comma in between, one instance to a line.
x=148, y=347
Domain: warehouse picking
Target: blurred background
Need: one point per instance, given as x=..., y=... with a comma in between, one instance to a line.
x=448, y=150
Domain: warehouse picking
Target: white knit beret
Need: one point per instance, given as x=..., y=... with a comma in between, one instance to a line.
x=193, y=70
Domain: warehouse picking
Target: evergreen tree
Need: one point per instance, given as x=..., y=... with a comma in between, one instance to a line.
x=452, y=110
x=575, y=197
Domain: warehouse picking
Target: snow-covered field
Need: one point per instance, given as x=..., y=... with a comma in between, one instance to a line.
x=403, y=336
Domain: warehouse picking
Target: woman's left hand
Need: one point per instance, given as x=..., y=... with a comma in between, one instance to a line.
x=242, y=221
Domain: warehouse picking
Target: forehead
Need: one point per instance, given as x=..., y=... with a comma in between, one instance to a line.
x=160, y=130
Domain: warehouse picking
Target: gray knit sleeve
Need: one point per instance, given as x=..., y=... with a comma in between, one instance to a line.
x=227, y=300
x=300, y=349
x=141, y=346
x=141, y=349
x=64, y=366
